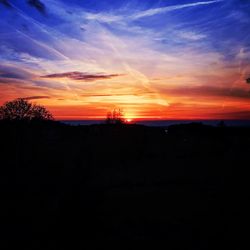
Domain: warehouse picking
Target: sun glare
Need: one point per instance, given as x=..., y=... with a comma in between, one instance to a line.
x=128, y=120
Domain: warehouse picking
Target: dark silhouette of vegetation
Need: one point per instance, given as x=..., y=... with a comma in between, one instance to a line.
x=63, y=186
x=115, y=117
x=21, y=110
x=221, y=124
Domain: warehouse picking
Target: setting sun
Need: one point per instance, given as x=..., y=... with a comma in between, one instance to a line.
x=128, y=120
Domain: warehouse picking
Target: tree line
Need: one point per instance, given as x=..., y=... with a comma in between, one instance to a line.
x=22, y=110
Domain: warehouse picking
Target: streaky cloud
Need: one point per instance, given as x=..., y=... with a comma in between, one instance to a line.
x=118, y=94
x=11, y=81
x=156, y=11
x=35, y=97
x=114, y=18
x=12, y=72
x=43, y=45
x=236, y=115
x=211, y=91
x=81, y=76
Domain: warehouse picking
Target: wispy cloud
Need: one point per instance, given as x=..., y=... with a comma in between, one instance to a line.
x=210, y=91
x=191, y=35
x=81, y=76
x=156, y=11
x=114, y=18
x=138, y=93
x=103, y=17
x=12, y=81
x=242, y=115
x=35, y=97
x=12, y=72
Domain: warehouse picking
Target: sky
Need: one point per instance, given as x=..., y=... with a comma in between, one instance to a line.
x=154, y=59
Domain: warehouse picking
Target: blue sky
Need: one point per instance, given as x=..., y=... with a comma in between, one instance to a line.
x=173, y=57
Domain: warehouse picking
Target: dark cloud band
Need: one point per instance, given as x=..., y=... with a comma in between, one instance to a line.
x=210, y=92
x=36, y=97
x=38, y=5
x=81, y=76
x=6, y=3
x=13, y=72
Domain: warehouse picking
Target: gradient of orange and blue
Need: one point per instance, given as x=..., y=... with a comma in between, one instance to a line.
x=155, y=59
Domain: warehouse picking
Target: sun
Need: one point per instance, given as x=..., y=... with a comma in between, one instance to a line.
x=128, y=120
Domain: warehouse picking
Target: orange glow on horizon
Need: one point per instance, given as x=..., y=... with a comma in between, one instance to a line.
x=140, y=97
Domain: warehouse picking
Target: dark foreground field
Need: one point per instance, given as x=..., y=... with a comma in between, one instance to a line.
x=63, y=185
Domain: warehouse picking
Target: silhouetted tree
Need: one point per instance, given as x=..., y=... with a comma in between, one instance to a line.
x=115, y=117
x=20, y=109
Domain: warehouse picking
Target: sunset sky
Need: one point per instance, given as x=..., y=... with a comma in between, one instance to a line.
x=155, y=59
